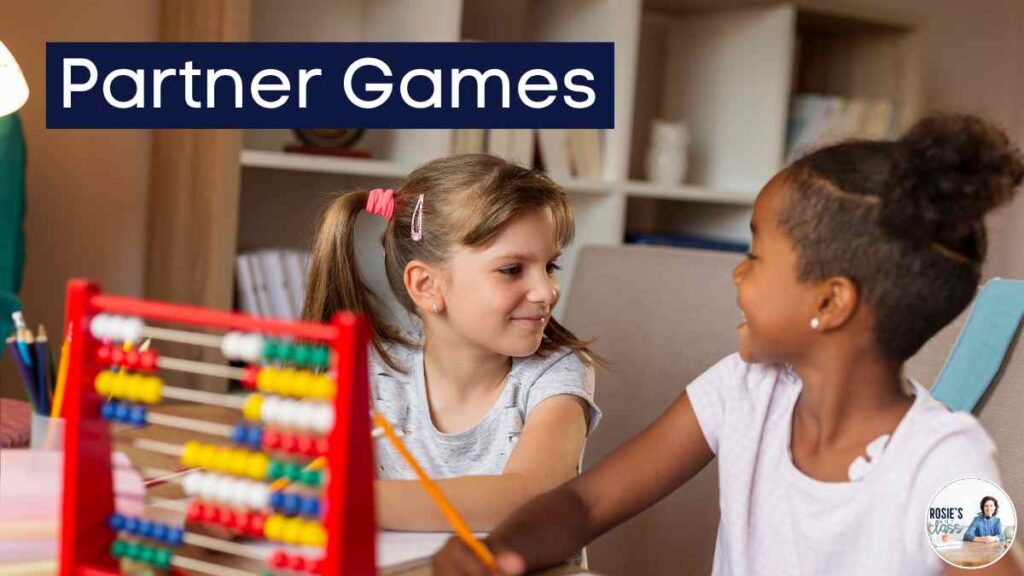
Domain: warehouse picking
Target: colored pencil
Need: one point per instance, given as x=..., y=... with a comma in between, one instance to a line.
x=44, y=368
x=26, y=377
x=450, y=514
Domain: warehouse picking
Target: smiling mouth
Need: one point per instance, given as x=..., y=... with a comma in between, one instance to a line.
x=532, y=320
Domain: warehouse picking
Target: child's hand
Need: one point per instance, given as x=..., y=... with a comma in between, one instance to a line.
x=456, y=559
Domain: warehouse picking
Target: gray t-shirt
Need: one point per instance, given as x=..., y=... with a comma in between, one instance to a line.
x=484, y=448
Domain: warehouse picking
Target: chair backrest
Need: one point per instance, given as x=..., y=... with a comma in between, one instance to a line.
x=1001, y=408
x=662, y=316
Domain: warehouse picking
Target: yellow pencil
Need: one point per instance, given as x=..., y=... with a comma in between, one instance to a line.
x=58, y=393
x=450, y=514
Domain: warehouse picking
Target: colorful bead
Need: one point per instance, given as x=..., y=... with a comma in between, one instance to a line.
x=250, y=375
x=310, y=507
x=103, y=354
x=314, y=535
x=104, y=383
x=151, y=390
x=116, y=522
x=131, y=525
x=302, y=354
x=121, y=412
x=160, y=532
x=273, y=527
x=310, y=477
x=175, y=536
x=291, y=532
x=163, y=558
x=278, y=560
x=137, y=416
x=146, y=554
x=251, y=408
x=147, y=360
x=256, y=467
x=107, y=410
x=190, y=454
x=117, y=548
x=322, y=387
x=320, y=357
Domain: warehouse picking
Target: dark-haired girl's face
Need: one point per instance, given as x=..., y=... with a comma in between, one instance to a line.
x=777, y=308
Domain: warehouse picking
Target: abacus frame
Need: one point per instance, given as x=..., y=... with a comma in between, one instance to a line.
x=88, y=497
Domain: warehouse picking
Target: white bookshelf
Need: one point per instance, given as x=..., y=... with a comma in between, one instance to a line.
x=324, y=164
x=729, y=73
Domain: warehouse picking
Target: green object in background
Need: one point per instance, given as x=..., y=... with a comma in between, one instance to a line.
x=8, y=303
x=12, y=204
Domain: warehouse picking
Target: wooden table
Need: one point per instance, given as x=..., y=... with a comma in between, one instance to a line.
x=973, y=554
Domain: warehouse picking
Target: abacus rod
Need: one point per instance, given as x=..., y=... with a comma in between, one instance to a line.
x=206, y=567
x=189, y=395
x=224, y=546
x=169, y=504
x=203, y=368
x=191, y=424
x=182, y=336
x=160, y=476
x=159, y=447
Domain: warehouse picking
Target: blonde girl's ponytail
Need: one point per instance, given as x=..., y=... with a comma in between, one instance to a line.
x=334, y=283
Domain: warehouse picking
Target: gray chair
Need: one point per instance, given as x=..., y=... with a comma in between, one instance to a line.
x=662, y=316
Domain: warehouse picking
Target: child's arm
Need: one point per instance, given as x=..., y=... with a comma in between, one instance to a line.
x=554, y=525
x=546, y=455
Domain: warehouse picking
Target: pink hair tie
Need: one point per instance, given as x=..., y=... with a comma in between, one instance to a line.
x=381, y=202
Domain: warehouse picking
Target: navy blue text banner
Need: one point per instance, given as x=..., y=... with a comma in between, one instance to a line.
x=330, y=85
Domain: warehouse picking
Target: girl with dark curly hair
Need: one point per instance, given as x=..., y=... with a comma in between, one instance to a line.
x=827, y=455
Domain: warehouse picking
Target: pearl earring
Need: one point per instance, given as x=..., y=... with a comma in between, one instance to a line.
x=435, y=308
x=815, y=323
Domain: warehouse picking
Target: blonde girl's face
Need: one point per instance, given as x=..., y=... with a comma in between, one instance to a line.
x=500, y=296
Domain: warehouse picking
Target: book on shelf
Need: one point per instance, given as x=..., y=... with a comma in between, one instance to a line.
x=514, y=145
x=585, y=152
x=816, y=121
x=563, y=154
x=272, y=282
x=554, y=153
x=469, y=141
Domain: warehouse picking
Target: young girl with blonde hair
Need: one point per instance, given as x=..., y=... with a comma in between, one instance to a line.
x=495, y=397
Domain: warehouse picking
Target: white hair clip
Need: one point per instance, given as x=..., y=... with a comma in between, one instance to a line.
x=416, y=225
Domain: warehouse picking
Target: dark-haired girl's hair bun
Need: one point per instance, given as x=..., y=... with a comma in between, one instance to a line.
x=952, y=170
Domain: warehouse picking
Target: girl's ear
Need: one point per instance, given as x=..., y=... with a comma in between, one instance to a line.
x=838, y=301
x=423, y=284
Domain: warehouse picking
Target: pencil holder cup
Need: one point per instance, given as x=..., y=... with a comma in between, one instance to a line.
x=47, y=433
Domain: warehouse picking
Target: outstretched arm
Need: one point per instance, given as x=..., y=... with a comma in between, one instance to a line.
x=554, y=525
x=546, y=455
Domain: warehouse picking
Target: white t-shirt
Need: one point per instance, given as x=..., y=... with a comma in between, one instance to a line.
x=778, y=521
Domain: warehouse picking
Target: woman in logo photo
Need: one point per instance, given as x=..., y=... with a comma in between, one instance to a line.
x=986, y=527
